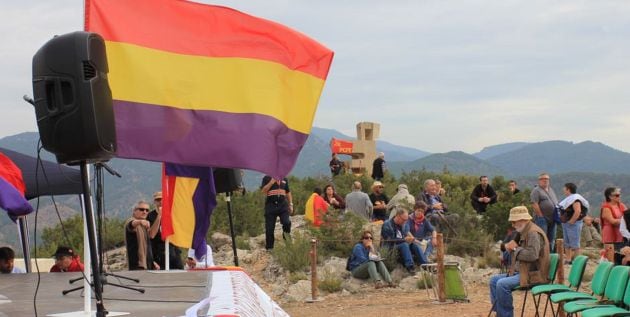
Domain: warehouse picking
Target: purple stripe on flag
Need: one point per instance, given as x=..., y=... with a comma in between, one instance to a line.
x=206, y=138
x=204, y=201
x=12, y=201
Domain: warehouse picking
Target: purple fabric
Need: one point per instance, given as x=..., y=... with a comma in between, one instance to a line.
x=206, y=138
x=204, y=201
x=12, y=201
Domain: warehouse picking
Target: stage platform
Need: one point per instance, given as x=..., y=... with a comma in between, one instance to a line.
x=166, y=293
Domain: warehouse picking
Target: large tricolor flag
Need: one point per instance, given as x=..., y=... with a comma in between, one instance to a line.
x=207, y=85
x=188, y=198
x=12, y=189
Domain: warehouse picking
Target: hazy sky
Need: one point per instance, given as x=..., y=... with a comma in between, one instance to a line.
x=437, y=75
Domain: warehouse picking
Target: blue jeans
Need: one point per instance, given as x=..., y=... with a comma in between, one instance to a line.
x=405, y=253
x=417, y=253
x=501, y=287
x=429, y=249
x=549, y=228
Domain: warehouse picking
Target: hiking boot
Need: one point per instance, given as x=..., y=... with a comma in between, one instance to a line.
x=379, y=284
x=411, y=271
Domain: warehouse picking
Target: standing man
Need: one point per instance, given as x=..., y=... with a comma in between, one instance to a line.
x=531, y=254
x=158, y=246
x=378, y=167
x=482, y=195
x=7, y=258
x=359, y=202
x=544, y=200
x=279, y=203
x=379, y=201
x=335, y=165
x=137, y=239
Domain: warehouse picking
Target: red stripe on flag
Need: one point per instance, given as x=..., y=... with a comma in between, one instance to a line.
x=198, y=29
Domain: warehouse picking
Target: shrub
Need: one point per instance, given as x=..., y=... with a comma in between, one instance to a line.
x=295, y=277
x=293, y=254
x=338, y=234
x=242, y=242
x=390, y=257
x=329, y=282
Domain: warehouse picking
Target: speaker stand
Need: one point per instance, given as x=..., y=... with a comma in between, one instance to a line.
x=100, y=210
x=229, y=208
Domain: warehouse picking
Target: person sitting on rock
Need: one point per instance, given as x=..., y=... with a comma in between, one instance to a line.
x=422, y=230
x=395, y=234
x=590, y=237
x=365, y=262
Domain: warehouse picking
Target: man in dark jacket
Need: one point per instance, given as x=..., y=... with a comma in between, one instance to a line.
x=483, y=195
x=378, y=167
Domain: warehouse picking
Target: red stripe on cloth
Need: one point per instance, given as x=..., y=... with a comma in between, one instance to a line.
x=198, y=29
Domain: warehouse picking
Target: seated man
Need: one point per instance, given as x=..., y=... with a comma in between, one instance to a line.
x=482, y=195
x=590, y=237
x=395, y=234
x=7, y=256
x=66, y=261
x=206, y=261
x=437, y=210
x=530, y=256
x=422, y=230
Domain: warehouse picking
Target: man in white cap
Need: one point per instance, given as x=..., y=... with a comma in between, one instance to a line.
x=530, y=248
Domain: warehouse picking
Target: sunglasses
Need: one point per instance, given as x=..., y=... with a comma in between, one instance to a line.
x=158, y=199
x=143, y=209
x=616, y=195
x=368, y=238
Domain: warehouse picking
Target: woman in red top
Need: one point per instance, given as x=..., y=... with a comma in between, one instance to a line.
x=611, y=213
x=332, y=198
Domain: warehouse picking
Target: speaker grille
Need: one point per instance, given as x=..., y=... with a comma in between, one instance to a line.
x=89, y=71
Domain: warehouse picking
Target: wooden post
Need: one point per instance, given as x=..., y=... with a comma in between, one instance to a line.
x=610, y=252
x=560, y=272
x=314, y=282
x=440, y=269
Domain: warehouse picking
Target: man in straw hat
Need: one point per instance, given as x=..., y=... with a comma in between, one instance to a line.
x=530, y=249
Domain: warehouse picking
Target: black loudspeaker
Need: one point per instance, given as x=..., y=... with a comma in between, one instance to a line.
x=227, y=179
x=73, y=101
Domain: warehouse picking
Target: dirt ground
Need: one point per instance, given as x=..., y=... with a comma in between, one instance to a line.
x=399, y=303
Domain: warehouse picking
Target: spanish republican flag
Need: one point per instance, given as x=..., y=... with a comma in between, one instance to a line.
x=188, y=199
x=12, y=189
x=207, y=85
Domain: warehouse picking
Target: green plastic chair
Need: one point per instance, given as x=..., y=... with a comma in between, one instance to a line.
x=613, y=294
x=609, y=310
x=553, y=269
x=613, y=284
x=574, y=279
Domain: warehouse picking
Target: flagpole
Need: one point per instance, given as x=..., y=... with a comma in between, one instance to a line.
x=167, y=262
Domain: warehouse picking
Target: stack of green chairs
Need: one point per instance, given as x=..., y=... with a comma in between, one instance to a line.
x=605, y=283
x=609, y=310
x=613, y=294
x=575, y=280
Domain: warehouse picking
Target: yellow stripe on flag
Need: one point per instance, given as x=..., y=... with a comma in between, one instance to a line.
x=183, y=211
x=234, y=85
